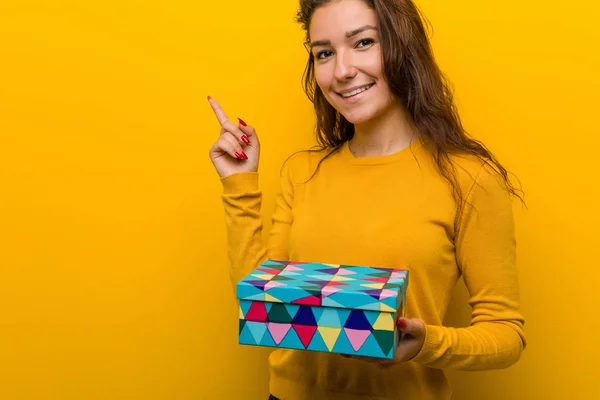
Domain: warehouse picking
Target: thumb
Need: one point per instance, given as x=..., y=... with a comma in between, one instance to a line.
x=411, y=326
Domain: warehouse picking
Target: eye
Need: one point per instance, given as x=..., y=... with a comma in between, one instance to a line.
x=322, y=54
x=364, y=42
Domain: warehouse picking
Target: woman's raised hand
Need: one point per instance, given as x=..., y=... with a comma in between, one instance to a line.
x=237, y=149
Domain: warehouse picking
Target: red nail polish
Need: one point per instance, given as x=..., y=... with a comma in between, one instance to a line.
x=401, y=324
x=244, y=155
x=245, y=139
x=238, y=155
x=242, y=122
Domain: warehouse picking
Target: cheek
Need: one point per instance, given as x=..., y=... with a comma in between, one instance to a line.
x=323, y=78
x=370, y=63
x=374, y=68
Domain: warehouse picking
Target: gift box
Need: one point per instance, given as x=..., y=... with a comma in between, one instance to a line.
x=344, y=309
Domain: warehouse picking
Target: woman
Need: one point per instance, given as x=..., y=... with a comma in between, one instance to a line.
x=396, y=183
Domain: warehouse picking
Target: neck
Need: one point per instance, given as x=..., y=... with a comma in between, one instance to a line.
x=383, y=135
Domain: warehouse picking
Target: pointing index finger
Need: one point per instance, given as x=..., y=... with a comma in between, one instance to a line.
x=221, y=116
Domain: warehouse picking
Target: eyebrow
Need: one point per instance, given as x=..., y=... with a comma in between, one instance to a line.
x=348, y=35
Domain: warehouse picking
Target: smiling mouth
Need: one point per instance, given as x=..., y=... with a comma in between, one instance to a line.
x=356, y=91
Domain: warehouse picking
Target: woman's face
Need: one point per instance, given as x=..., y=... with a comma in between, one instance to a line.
x=348, y=60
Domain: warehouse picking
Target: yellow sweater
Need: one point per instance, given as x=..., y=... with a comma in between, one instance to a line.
x=389, y=211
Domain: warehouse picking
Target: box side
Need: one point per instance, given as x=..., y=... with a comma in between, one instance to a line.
x=317, y=328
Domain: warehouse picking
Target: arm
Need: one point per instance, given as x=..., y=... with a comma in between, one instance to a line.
x=235, y=156
x=485, y=252
x=242, y=201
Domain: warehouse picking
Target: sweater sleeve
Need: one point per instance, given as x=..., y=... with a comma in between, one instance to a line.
x=486, y=256
x=242, y=200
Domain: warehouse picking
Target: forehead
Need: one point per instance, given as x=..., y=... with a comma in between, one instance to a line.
x=333, y=20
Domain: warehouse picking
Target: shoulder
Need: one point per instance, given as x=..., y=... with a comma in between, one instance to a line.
x=302, y=164
x=475, y=172
x=483, y=187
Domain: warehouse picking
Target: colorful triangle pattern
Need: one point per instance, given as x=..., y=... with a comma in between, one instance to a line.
x=322, y=307
x=343, y=286
x=317, y=328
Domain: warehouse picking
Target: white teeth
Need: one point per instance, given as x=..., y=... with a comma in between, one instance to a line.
x=357, y=91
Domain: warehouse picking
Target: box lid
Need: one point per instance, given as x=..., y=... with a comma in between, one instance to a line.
x=327, y=285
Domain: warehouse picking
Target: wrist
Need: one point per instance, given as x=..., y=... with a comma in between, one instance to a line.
x=428, y=347
x=240, y=182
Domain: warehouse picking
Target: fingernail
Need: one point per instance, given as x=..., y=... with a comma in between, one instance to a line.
x=245, y=139
x=244, y=155
x=209, y=97
x=401, y=324
x=242, y=122
x=238, y=155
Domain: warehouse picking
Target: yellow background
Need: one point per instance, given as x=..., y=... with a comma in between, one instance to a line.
x=113, y=280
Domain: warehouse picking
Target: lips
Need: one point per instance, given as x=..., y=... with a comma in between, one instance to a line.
x=346, y=94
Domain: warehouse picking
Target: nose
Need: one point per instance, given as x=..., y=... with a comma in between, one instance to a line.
x=344, y=66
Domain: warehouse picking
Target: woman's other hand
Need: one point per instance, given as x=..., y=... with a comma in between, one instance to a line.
x=411, y=342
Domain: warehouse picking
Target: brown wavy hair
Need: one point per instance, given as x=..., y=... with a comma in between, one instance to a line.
x=415, y=78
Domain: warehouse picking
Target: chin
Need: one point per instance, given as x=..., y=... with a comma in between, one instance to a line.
x=359, y=116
